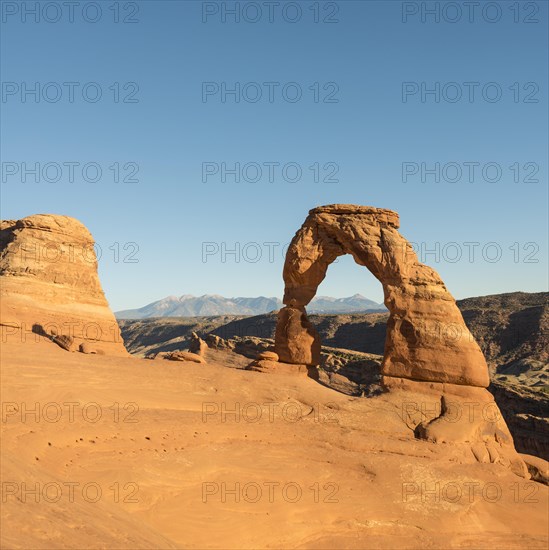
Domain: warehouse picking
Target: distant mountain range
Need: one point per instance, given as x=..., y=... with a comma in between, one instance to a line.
x=352, y=304
x=213, y=304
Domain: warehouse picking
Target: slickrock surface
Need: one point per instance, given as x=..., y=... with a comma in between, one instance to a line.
x=50, y=288
x=184, y=356
x=336, y=471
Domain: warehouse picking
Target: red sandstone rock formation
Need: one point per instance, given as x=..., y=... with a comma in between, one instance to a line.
x=427, y=339
x=50, y=287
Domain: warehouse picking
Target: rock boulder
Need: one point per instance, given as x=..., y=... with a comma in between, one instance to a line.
x=50, y=286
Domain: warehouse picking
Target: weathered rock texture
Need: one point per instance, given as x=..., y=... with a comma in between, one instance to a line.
x=197, y=345
x=427, y=339
x=296, y=340
x=50, y=287
x=183, y=356
x=268, y=356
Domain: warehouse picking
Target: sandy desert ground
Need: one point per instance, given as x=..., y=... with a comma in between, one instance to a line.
x=169, y=464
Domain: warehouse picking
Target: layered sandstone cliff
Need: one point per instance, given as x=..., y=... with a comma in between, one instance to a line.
x=50, y=288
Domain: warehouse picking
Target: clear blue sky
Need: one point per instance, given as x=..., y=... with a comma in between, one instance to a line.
x=369, y=132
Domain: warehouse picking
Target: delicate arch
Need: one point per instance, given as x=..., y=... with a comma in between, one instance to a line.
x=427, y=339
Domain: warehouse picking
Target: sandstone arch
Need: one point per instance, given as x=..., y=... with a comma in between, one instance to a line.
x=427, y=339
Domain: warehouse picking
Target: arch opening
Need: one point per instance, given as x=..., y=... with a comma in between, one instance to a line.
x=356, y=319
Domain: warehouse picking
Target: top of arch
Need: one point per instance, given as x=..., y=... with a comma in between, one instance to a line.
x=382, y=215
